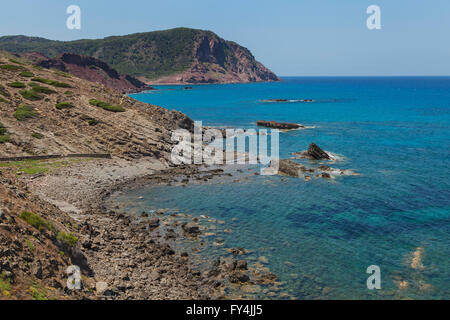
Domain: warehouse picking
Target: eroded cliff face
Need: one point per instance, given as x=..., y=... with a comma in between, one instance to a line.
x=94, y=70
x=220, y=61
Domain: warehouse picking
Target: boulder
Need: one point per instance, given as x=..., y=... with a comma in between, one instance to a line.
x=191, y=228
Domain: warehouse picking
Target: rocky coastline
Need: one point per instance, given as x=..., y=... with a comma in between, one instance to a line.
x=131, y=255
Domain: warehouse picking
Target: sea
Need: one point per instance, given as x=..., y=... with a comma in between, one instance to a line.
x=322, y=237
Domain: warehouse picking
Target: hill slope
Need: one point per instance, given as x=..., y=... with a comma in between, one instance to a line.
x=49, y=112
x=178, y=55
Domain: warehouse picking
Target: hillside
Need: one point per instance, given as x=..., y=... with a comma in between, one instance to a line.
x=49, y=112
x=178, y=55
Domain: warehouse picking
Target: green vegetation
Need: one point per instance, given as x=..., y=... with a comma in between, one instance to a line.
x=17, y=84
x=52, y=82
x=40, y=166
x=5, y=284
x=3, y=100
x=3, y=136
x=68, y=93
x=11, y=67
x=30, y=244
x=92, y=122
x=15, y=61
x=150, y=54
x=27, y=74
x=38, y=68
x=67, y=238
x=64, y=105
x=37, y=135
x=62, y=74
x=40, y=89
x=31, y=95
x=38, y=293
x=36, y=221
x=24, y=112
x=106, y=106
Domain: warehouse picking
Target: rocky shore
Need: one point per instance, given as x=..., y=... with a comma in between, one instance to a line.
x=131, y=255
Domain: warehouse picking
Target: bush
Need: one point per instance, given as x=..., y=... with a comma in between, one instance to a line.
x=68, y=93
x=45, y=90
x=15, y=61
x=17, y=84
x=4, y=138
x=24, y=112
x=52, y=83
x=27, y=74
x=64, y=105
x=11, y=67
x=92, y=122
x=36, y=221
x=37, y=135
x=3, y=100
x=106, y=106
x=67, y=238
x=31, y=95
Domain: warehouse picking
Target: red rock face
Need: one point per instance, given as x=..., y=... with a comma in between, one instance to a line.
x=94, y=70
x=220, y=61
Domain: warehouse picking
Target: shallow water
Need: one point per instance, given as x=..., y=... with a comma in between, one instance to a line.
x=320, y=236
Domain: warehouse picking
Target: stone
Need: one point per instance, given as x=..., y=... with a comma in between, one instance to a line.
x=316, y=153
x=101, y=287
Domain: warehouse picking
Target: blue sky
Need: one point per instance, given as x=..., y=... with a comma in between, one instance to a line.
x=292, y=37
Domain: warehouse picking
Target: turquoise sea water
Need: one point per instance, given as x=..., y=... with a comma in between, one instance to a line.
x=320, y=236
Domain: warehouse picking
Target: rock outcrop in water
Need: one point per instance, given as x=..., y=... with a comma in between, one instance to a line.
x=316, y=153
x=278, y=125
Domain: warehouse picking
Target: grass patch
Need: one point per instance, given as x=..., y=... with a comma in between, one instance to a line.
x=15, y=61
x=64, y=105
x=106, y=106
x=37, y=135
x=36, y=221
x=30, y=244
x=38, y=68
x=38, y=293
x=27, y=74
x=62, y=74
x=4, y=138
x=5, y=284
x=68, y=93
x=40, y=166
x=11, y=67
x=31, y=95
x=67, y=238
x=92, y=122
x=17, y=84
x=24, y=112
x=3, y=100
x=44, y=90
x=52, y=83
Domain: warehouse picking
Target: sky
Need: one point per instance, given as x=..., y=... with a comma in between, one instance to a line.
x=291, y=37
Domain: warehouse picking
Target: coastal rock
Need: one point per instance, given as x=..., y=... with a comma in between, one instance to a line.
x=289, y=167
x=278, y=125
x=153, y=223
x=191, y=228
x=316, y=153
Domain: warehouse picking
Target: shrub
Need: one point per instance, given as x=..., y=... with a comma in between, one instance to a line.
x=92, y=122
x=4, y=138
x=2, y=129
x=37, y=135
x=106, y=106
x=36, y=221
x=37, y=88
x=17, y=84
x=67, y=238
x=31, y=95
x=15, y=61
x=64, y=105
x=52, y=83
x=38, y=294
x=24, y=112
x=11, y=67
x=68, y=93
x=3, y=100
x=27, y=74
